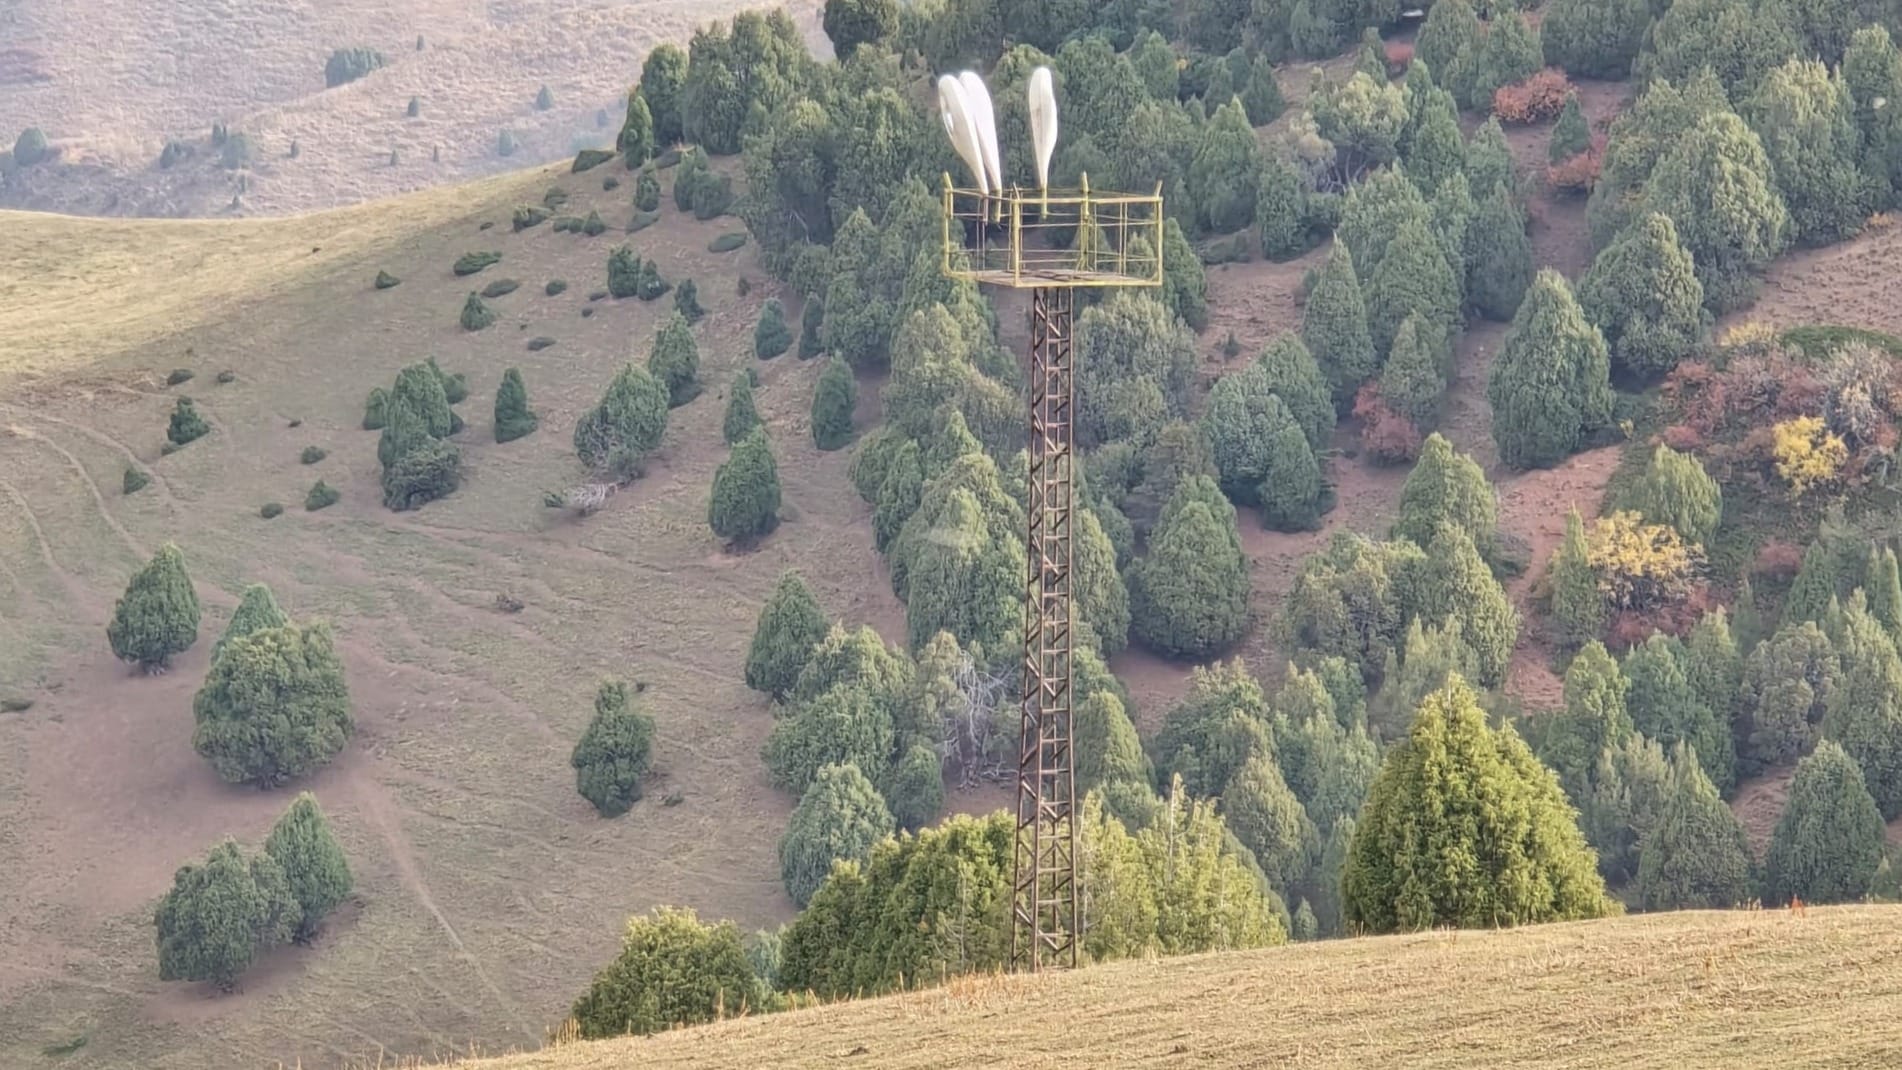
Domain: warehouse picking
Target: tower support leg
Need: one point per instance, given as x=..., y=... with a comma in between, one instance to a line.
x=1045, y=917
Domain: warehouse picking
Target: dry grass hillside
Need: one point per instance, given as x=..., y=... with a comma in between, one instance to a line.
x=1692, y=991
x=109, y=83
x=487, y=891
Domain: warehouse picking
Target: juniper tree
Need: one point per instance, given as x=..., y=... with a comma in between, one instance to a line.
x=1411, y=382
x=842, y=725
x=663, y=77
x=257, y=610
x=915, y=793
x=840, y=817
x=274, y=706
x=833, y=401
x=186, y=426
x=1508, y=52
x=1550, y=385
x=1184, y=285
x=1883, y=585
x=1788, y=682
x=1334, y=327
x=624, y=272
x=1102, y=598
x=1714, y=667
x=1266, y=817
x=1291, y=489
x=1594, y=38
x=1459, y=586
x=672, y=970
x=1488, y=161
x=1412, y=277
x=1280, y=209
x=1446, y=488
x=1189, y=596
x=157, y=616
x=1224, y=174
x=1221, y=722
x=476, y=315
x=1829, y=840
x=1643, y=294
x=1665, y=707
x=811, y=327
x=1593, y=719
x=1677, y=493
x=219, y=914
x=1806, y=120
x=1292, y=374
x=1243, y=412
x=771, y=336
x=1864, y=712
x=1715, y=184
x=646, y=199
x=1501, y=253
x=312, y=861
x=615, y=752
x=1694, y=855
x=790, y=625
x=674, y=361
x=1570, y=134
x=1628, y=786
x=858, y=324
x=1741, y=40
x=513, y=417
x=1499, y=845
x=635, y=142
x=1108, y=750
x=964, y=580
x=741, y=417
x=1815, y=584
x=1448, y=28
x=627, y=424
x=1437, y=150
x=376, y=409
x=744, y=504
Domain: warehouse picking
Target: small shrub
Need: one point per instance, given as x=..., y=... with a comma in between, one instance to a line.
x=667, y=159
x=641, y=221
x=544, y=99
x=431, y=470
x=386, y=281
x=615, y=752
x=590, y=158
x=470, y=263
x=134, y=480
x=501, y=287
x=687, y=302
x=593, y=226
x=376, y=410
x=1533, y=100
x=728, y=242
x=1399, y=58
x=1641, y=566
x=586, y=313
x=30, y=147
x=1387, y=436
x=513, y=418
x=651, y=286
x=475, y=314
x=176, y=150
x=771, y=336
x=312, y=454
x=712, y=196
x=1576, y=175
x=505, y=143
x=527, y=215
x=567, y=223
x=271, y=511
x=187, y=425
x=537, y=344
x=179, y=375
x=1230, y=250
x=415, y=107
x=555, y=287
x=598, y=295
x=322, y=496
x=554, y=198
x=610, y=184
x=346, y=65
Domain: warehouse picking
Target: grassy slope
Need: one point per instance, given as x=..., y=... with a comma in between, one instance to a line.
x=474, y=858
x=1657, y=992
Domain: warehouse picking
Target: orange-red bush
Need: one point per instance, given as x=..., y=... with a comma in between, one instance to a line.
x=1634, y=626
x=1387, y=436
x=1778, y=558
x=1577, y=175
x=1399, y=57
x=1533, y=100
x=1684, y=438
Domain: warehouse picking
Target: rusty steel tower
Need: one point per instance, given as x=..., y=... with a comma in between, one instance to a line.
x=1051, y=243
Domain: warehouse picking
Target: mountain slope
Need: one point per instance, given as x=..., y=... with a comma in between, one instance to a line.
x=1654, y=992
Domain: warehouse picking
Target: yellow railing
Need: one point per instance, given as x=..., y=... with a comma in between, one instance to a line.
x=1057, y=238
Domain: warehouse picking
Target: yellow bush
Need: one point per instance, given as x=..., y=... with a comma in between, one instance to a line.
x=1640, y=565
x=1807, y=454
x=1752, y=335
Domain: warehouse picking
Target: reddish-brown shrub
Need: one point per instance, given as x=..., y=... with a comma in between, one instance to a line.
x=1399, y=58
x=1778, y=558
x=1387, y=436
x=1577, y=175
x=1533, y=100
x=1684, y=438
x=1634, y=626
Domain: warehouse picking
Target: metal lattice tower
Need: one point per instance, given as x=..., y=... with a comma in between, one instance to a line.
x=1044, y=910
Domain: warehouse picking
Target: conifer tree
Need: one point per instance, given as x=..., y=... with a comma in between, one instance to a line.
x=840, y=817
x=790, y=625
x=1884, y=588
x=1261, y=95
x=963, y=580
x=672, y=970
x=1280, y=209
x=1327, y=876
x=1412, y=277
x=1829, y=841
x=1372, y=213
x=1550, y=385
x=1291, y=488
x=1627, y=788
x=1488, y=161
x=626, y=426
x=312, y=861
x=1102, y=598
x=1224, y=174
x=1334, y=327
x=1665, y=707
x=1185, y=287
x=858, y=323
x=1714, y=667
x=1499, y=845
x=1446, y=488
x=1749, y=627
x=1293, y=375
x=376, y=409
x=1864, y=712
x=646, y=199
x=833, y=402
x=1570, y=134
x=187, y=425
x=274, y=706
x=1806, y=120
x=745, y=501
x=257, y=610
x=1459, y=586
x=1814, y=586
x=741, y=417
x=1578, y=607
x=916, y=792
x=1502, y=254
x=1451, y=215
x=635, y=142
x=513, y=418
x=1437, y=150
x=898, y=496
x=1787, y=684
x=1593, y=719
x=1715, y=184
x=1269, y=820
x=1694, y=855
x=476, y=314
x=1189, y=596
x=675, y=361
x=1643, y=294
x=157, y=616
x=1676, y=492
x=1243, y=413
x=687, y=302
x=1448, y=28
x=1593, y=38
x=219, y=914
x=1411, y=382
x=771, y=336
x=615, y=752
x=1508, y=52
x=1108, y=750
x=812, y=327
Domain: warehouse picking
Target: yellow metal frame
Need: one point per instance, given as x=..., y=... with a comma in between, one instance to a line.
x=1023, y=262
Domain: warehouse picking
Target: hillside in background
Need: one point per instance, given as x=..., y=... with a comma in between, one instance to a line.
x=110, y=84
x=1689, y=991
